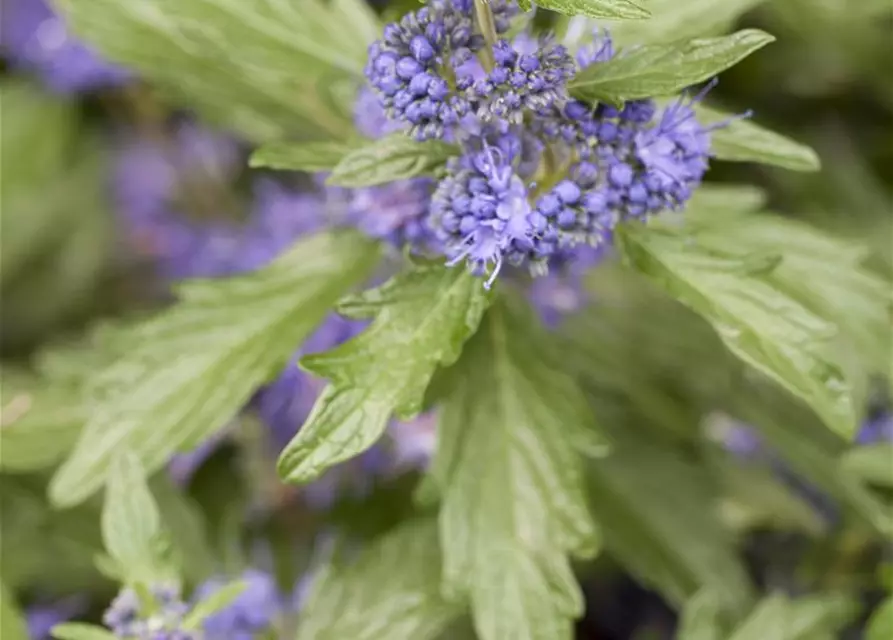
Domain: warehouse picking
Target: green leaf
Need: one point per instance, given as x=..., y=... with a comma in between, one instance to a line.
x=394, y=157
x=733, y=288
x=742, y=140
x=81, y=631
x=871, y=463
x=661, y=70
x=302, y=156
x=622, y=9
x=701, y=618
x=880, y=626
x=131, y=525
x=184, y=373
x=725, y=199
x=510, y=471
x=184, y=521
x=261, y=68
x=672, y=21
x=390, y=590
x=422, y=318
x=12, y=622
x=777, y=617
x=217, y=601
x=654, y=510
x=40, y=420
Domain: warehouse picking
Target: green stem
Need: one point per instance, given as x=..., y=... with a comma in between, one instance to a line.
x=487, y=25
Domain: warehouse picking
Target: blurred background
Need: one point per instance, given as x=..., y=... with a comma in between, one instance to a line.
x=109, y=194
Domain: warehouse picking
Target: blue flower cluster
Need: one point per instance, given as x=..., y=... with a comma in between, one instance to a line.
x=253, y=611
x=541, y=177
x=127, y=619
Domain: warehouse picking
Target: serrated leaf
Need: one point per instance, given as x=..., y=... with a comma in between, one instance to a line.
x=509, y=467
x=390, y=590
x=755, y=317
x=256, y=68
x=81, y=631
x=394, y=157
x=742, y=140
x=184, y=373
x=654, y=510
x=131, y=525
x=302, y=156
x=880, y=626
x=217, y=601
x=662, y=70
x=40, y=420
x=422, y=318
x=701, y=618
x=618, y=9
x=12, y=623
x=871, y=463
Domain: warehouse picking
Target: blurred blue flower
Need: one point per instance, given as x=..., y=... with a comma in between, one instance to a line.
x=254, y=610
x=34, y=37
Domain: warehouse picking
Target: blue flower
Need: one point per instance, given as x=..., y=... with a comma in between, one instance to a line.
x=126, y=618
x=253, y=611
x=35, y=37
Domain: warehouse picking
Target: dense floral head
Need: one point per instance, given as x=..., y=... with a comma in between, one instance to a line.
x=34, y=37
x=127, y=619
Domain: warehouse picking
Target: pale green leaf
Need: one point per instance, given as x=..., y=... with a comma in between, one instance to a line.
x=81, y=631
x=12, y=622
x=872, y=463
x=217, y=601
x=262, y=68
x=742, y=140
x=394, y=157
x=131, y=525
x=617, y=9
x=779, y=618
x=670, y=21
x=40, y=420
x=390, y=590
x=701, y=618
x=756, y=317
x=183, y=519
x=880, y=626
x=422, y=318
x=654, y=510
x=184, y=373
x=509, y=467
x=724, y=199
x=661, y=70
x=302, y=156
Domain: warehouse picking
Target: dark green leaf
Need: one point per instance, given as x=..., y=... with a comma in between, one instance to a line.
x=302, y=156
x=623, y=9
x=422, y=318
x=745, y=141
x=871, y=463
x=391, y=590
x=394, y=157
x=183, y=374
x=259, y=68
x=41, y=420
x=658, y=517
x=510, y=471
x=12, y=623
x=728, y=277
x=81, y=631
x=131, y=525
x=661, y=70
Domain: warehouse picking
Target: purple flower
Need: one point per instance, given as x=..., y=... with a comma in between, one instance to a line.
x=878, y=428
x=253, y=611
x=41, y=619
x=34, y=37
x=126, y=618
